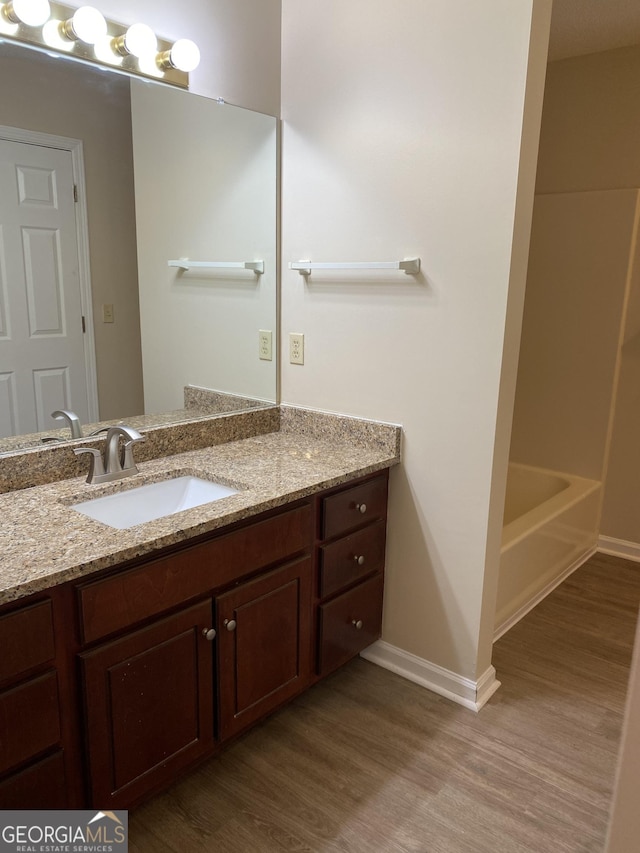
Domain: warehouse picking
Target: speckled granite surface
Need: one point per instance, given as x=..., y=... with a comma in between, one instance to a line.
x=333, y=427
x=209, y=402
x=41, y=465
x=199, y=403
x=44, y=542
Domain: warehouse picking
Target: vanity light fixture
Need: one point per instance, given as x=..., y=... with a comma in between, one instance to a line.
x=33, y=13
x=183, y=55
x=52, y=36
x=86, y=23
x=139, y=40
x=85, y=34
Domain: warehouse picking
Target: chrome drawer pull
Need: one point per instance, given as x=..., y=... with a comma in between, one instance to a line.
x=361, y=508
x=357, y=624
x=209, y=633
x=359, y=559
x=230, y=624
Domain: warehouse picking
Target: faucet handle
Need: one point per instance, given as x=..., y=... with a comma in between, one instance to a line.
x=128, y=463
x=96, y=467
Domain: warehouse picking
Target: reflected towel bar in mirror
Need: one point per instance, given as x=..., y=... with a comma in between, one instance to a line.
x=410, y=266
x=185, y=264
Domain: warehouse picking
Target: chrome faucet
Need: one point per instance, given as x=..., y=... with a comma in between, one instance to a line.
x=71, y=418
x=114, y=465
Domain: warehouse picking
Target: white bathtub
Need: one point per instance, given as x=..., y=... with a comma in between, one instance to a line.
x=550, y=528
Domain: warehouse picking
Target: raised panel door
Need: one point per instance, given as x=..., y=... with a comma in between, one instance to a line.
x=149, y=705
x=264, y=633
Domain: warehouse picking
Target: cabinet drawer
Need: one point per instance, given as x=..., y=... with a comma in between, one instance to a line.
x=122, y=600
x=29, y=720
x=353, y=557
x=39, y=786
x=354, y=507
x=26, y=639
x=340, y=638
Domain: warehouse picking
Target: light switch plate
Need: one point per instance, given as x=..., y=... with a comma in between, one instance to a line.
x=107, y=313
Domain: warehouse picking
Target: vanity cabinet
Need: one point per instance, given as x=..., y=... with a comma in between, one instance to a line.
x=31, y=761
x=173, y=655
x=351, y=562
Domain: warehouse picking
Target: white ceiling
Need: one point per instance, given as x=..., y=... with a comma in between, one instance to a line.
x=589, y=26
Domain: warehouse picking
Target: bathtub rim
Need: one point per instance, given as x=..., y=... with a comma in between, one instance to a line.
x=534, y=519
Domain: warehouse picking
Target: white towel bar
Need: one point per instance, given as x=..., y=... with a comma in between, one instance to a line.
x=185, y=264
x=410, y=266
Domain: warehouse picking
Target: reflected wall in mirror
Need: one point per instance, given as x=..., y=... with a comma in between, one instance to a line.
x=165, y=175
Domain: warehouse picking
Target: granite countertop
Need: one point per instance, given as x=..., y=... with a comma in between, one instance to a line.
x=43, y=542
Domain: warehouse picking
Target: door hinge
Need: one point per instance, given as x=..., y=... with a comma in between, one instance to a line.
x=84, y=327
x=75, y=192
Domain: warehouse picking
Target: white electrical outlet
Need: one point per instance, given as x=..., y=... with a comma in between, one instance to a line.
x=296, y=348
x=264, y=345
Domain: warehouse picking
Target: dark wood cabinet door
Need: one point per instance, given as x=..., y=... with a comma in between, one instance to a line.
x=149, y=706
x=264, y=644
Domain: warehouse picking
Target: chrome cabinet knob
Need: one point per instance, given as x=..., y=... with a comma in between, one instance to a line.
x=361, y=508
x=357, y=623
x=209, y=633
x=359, y=559
x=230, y=624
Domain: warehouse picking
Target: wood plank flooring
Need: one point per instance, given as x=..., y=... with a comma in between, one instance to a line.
x=367, y=762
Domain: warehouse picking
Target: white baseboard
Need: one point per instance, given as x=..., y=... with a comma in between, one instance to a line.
x=464, y=691
x=510, y=621
x=619, y=548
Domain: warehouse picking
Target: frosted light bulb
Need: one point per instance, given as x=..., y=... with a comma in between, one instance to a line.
x=148, y=65
x=184, y=55
x=103, y=50
x=140, y=40
x=33, y=13
x=51, y=36
x=87, y=24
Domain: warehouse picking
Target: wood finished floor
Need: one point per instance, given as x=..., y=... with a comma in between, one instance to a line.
x=367, y=762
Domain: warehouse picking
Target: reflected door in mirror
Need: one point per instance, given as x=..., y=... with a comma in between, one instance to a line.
x=42, y=359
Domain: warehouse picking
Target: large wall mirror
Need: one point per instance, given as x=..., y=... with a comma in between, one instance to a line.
x=93, y=317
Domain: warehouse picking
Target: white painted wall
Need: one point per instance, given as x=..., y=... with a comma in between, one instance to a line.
x=218, y=203
x=581, y=245
x=402, y=135
x=590, y=140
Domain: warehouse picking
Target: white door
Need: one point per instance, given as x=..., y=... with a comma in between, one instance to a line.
x=42, y=358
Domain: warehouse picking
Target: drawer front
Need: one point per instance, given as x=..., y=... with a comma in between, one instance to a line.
x=340, y=637
x=29, y=720
x=354, y=507
x=122, y=600
x=26, y=639
x=353, y=557
x=40, y=786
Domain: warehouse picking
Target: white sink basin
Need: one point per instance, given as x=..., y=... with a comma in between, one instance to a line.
x=156, y=500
